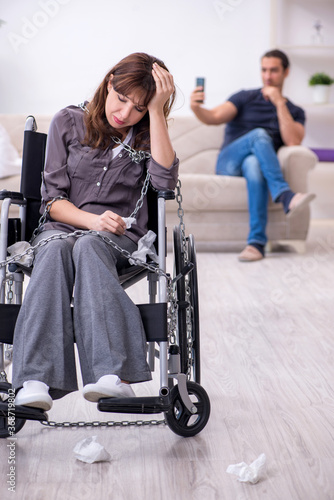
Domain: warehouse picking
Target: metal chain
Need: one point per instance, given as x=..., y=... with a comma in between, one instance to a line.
x=172, y=314
x=136, y=156
x=180, y=213
x=143, y=193
x=46, y=212
x=109, y=423
x=10, y=294
x=189, y=311
x=189, y=326
x=78, y=234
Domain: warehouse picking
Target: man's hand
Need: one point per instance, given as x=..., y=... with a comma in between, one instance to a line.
x=292, y=132
x=274, y=95
x=197, y=97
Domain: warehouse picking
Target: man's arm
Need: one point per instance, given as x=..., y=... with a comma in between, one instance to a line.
x=216, y=116
x=292, y=132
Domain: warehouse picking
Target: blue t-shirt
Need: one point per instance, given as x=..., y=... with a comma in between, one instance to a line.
x=255, y=111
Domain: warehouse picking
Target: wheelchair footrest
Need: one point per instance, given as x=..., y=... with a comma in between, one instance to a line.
x=146, y=405
x=22, y=412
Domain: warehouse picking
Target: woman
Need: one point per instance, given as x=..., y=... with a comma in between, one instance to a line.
x=91, y=182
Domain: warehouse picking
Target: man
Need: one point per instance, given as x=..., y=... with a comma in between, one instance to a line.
x=259, y=121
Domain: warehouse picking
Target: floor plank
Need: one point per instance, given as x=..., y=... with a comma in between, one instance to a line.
x=267, y=351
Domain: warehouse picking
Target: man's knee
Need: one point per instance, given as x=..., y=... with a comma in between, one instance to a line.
x=260, y=134
x=251, y=169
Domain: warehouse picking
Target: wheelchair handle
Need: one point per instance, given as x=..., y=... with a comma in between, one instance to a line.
x=187, y=269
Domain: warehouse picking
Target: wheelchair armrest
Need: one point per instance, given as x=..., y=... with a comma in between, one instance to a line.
x=13, y=195
x=166, y=194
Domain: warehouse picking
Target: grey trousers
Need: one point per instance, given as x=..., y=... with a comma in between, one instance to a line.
x=105, y=323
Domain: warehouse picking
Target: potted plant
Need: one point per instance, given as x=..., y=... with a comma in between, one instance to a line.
x=321, y=86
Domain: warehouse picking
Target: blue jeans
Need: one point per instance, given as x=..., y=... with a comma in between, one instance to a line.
x=253, y=156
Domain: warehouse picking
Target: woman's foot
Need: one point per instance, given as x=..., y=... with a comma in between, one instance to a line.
x=34, y=393
x=108, y=386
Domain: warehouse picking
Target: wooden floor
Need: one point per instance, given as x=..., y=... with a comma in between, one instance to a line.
x=268, y=367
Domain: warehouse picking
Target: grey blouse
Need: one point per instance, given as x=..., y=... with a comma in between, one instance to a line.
x=96, y=180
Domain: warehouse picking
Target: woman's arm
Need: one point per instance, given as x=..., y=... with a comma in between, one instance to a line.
x=64, y=211
x=161, y=147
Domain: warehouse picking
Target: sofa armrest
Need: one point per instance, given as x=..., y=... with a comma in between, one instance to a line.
x=296, y=162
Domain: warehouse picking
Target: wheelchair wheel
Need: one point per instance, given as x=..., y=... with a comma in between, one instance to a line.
x=6, y=422
x=183, y=302
x=180, y=420
x=194, y=303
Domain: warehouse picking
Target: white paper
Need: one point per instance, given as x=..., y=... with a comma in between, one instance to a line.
x=248, y=473
x=21, y=247
x=145, y=247
x=89, y=450
x=129, y=221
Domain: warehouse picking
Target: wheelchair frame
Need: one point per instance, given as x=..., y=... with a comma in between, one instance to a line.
x=186, y=405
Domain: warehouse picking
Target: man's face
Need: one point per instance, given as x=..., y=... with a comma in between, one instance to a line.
x=272, y=72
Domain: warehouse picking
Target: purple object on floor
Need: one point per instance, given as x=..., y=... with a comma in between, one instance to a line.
x=324, y=154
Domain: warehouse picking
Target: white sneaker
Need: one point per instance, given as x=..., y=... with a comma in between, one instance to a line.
x=34, y=393
x=108, y=386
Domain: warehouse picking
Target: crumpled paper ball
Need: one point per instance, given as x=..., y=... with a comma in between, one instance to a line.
x=18, y=248
x=248, y=473
x=89, y=450
x=145, y=247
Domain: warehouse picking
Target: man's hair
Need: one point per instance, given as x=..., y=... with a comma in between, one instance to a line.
x=280, y=55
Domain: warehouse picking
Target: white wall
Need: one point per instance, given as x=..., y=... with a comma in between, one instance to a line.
x=55, y=52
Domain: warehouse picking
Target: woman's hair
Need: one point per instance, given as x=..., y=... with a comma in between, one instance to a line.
x=131, y=74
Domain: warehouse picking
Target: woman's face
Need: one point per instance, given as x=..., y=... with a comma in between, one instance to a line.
x=123, y=112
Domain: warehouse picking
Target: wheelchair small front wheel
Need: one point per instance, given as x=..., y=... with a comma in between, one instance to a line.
x=9, y=425
x=180, y=420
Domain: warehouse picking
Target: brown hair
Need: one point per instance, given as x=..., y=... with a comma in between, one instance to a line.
x=280, y=55
x=131, y=74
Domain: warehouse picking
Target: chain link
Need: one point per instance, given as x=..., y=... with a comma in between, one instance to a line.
x=10, y=294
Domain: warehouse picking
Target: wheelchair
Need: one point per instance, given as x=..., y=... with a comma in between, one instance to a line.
x=170, y=317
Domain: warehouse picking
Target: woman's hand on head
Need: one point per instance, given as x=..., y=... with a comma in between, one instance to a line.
x=164, y=88
x=109, y=221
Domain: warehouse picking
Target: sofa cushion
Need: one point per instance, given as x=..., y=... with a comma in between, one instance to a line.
x=10, y=162
x=197, y=145
x=215, y=193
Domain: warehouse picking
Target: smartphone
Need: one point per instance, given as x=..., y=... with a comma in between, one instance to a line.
x=200, y=82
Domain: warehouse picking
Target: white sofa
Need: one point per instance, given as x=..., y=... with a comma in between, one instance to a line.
x=215, y=207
